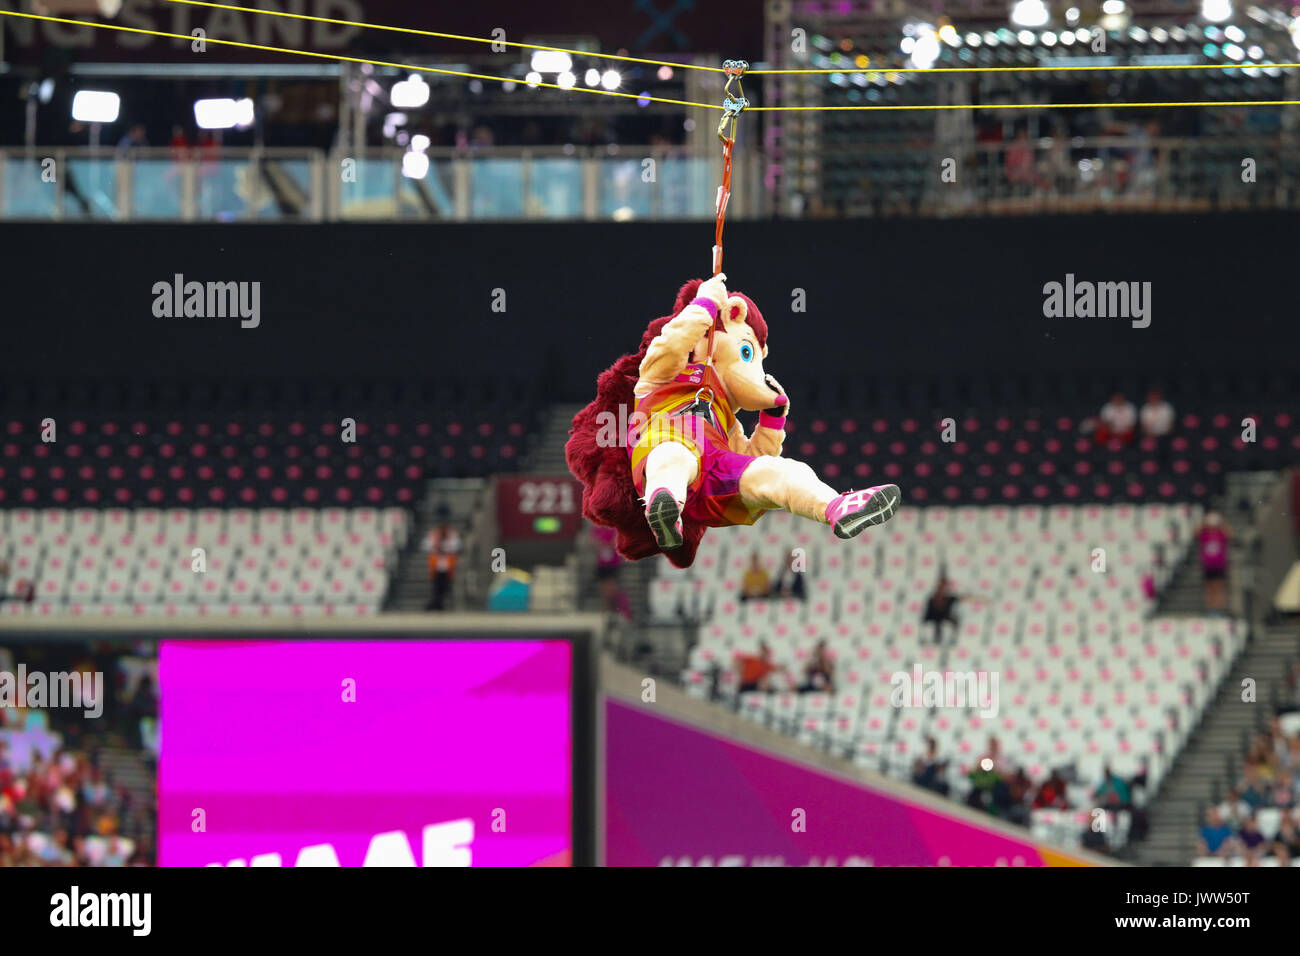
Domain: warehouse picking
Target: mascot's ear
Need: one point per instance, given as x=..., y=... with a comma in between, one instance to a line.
x=737, y=311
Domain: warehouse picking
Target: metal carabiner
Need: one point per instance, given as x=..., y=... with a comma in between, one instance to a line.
x=732, y=106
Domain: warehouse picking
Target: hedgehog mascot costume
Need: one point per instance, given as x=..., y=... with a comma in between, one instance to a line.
x=684, y=463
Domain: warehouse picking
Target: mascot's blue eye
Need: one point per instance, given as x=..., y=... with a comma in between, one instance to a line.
x=747, y=353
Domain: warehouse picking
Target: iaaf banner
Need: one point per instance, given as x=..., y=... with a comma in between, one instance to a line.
x=726, y=27
x=679, y=796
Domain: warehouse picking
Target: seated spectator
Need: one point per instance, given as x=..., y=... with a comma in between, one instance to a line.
x=757, y=583
x=1216, y=837
x=1292, y=759
x=1287, y=840
x=941, y=605
x=819, y=672
x=1157, y=416
x=1252, y=841
x=1019, y=788
x=1117, y=419
x=790, y=584
x=755, y=672
x=1253, y=791
x=1261, y=761
x=988, y=778
x=928, y=770
x=1052, y=793
x=1113, y=792
x=1233, y=809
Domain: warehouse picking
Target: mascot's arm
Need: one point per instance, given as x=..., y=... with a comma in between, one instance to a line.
x=769, y=436
x=668, y=353
x=766, y=440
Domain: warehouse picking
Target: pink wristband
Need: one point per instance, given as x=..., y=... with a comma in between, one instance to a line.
x=707, y=304
x=772, y=421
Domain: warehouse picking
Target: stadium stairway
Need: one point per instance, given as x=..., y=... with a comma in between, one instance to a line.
x=546, y=452
x=1207, y=766
x=410, y=586
x=1184, y=595
x=125, y=768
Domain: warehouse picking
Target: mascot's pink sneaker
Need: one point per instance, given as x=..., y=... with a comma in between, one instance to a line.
x=855, y=511
x=664, y=515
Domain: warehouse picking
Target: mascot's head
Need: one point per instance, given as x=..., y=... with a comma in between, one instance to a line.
x=739, y=352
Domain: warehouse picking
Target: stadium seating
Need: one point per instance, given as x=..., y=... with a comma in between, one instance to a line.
x=1086, y=677
x=247, y=461
x=1037, y=457
x=145, y=561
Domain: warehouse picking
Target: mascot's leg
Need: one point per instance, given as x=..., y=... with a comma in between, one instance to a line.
x=792, y=486
x=669, y=470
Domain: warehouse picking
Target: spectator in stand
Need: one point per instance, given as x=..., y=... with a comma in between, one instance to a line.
x=1157, y=416
x=1019, y=790
x=1117, y=419
x=608, y=565
x=1052, y=793
x=135, y=136
x=1213, y=537
x=1113, y=792
x=1287, y=841
x=1216, y=835
x=1252, y=841
x=1291, y=760
x=989, y=777
x=928, y=770
x=1291, y=697
x=790, y=584
x=1022, y=165
x=941, y=605
x=1261, y=760
x=757, y=583
x=24, y=591
x=442, y=545
x=180, y=144
x=819, y=672
x=1233, y=809
x=755, y=672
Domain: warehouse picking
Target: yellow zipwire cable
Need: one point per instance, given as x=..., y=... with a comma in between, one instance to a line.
x=1023, y=69
x=715, y=69
x=443, y=36
x=1027, y=106
x=637, y=96
x=351, y=59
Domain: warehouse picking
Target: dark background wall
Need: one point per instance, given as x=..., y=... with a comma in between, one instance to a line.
x=896, y=301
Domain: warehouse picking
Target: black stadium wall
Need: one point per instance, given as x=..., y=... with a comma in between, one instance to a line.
x=549, y=305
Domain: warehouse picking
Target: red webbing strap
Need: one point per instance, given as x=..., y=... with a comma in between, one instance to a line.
x=731, y=108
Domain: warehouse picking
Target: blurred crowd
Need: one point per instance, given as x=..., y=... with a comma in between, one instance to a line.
x=59, y=802
x=1259, y=818
x=1004, y=789
x=63, y=812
